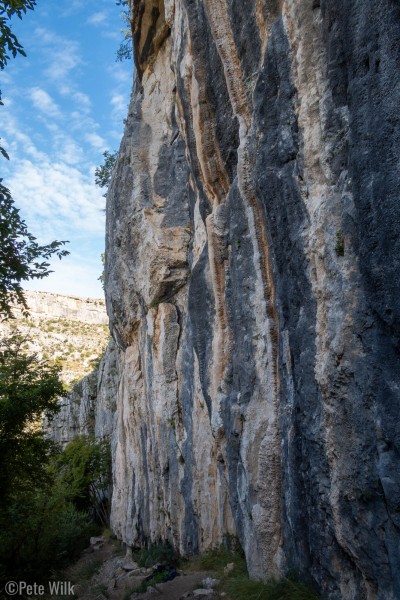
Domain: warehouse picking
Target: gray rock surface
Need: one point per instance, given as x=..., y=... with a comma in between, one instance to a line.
x=252, y=284
x=89, y=409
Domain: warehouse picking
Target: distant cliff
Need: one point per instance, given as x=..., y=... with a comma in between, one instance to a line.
x=252, y=284
x=85, y=310
x=73, y=331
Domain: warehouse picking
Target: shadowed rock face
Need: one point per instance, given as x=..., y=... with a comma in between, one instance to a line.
x=252, y=282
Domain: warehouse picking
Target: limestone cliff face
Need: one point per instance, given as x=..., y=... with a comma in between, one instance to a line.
x=89, y=409
x=252, y=284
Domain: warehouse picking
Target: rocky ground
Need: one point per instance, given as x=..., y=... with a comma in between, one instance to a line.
x=107, y=572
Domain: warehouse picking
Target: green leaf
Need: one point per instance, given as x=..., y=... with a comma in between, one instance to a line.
x=4, y=153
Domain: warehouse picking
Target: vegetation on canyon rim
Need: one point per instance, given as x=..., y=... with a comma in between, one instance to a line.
x=75, y=346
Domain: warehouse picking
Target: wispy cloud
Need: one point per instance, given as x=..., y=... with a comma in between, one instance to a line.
x=57, y=191
x=59, y=200
x=15, y=139
x=82, y=123
x=63, y=61
x=5, y=78
x=57, y=196
x=119, y=106
x=80, y=100
x=44, y=102
x=73, y=7
x=119, y=73
x=97, y=18
x=64, y=106
x=62, y=54
x=96, y=141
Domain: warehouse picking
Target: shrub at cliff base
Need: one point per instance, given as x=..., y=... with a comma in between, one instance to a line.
x=84, y=476
x=231, y=571
x=47, y=527
x=38, y=534
x=50, y=501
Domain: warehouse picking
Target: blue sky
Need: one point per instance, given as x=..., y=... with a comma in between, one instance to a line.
x=64, y=106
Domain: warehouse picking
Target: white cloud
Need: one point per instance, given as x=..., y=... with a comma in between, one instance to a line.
x=44, y=102
x=72, y=276
x=82, y=100
x=97, y=18
x=96, y=141
x=14, y=139
x=120, y=106
x=79, y=98
x=63, y=61
x=73, y=7
x=62, y=54
x=83, y=124
x=70, y=152
x=120, y=73
x=5, y=78
x=59, y=200
x=56, y=196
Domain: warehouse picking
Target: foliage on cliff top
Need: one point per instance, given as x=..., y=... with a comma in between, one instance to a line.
x=103, y=172
x=125, y=50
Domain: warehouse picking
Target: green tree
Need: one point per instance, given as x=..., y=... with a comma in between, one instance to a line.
x=48, y=501
x=21, y=257
x=9, y=44
x=104, y=172
x=125, y=50
x=29, y=389
x=84, y=472
x=102, y=277
x=103, y=175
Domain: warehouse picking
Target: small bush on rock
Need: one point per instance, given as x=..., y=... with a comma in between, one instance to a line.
x=156, y=554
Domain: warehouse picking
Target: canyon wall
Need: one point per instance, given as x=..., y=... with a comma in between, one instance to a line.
x=69, y=330
x=252, y=284
x=44, y=305
x=90, y=407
